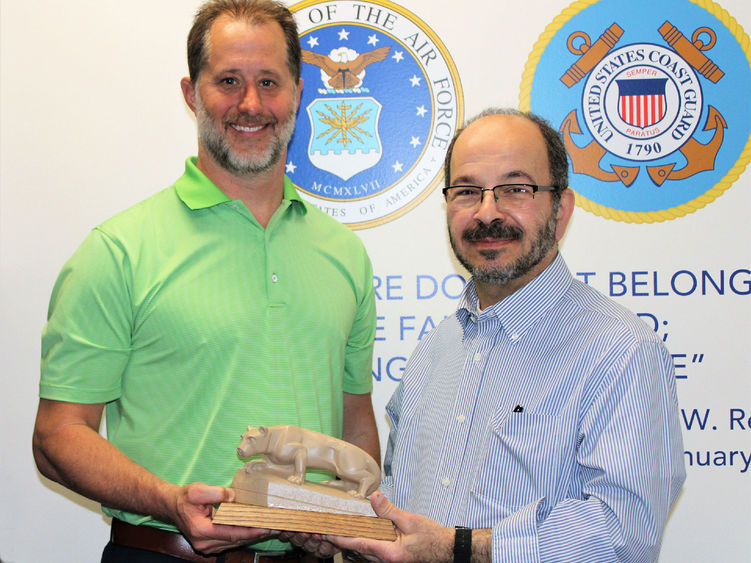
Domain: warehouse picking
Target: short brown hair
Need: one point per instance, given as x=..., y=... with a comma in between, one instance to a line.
x=255, y=12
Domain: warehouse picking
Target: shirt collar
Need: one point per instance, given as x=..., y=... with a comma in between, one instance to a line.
x=523, y=308
x=198, y=192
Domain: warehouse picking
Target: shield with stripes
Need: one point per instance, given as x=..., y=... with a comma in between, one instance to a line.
x=641, y=102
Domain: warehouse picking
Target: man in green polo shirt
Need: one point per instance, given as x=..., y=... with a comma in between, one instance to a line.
x=221, y=302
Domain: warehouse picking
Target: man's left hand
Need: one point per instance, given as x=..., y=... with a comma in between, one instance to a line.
x=418, y=538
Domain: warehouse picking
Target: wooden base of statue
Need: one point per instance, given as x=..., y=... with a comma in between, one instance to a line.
x=269, y=501
x=286, y=519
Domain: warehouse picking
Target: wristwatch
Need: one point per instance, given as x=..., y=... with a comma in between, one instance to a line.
x=462, y=545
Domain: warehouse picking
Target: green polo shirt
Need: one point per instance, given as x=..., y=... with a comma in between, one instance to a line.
x=191, y=321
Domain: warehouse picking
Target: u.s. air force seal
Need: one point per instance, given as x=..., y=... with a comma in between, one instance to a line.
x=651, y=100
x=380, y=102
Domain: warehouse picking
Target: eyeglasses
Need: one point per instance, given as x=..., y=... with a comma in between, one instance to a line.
x=511, y=195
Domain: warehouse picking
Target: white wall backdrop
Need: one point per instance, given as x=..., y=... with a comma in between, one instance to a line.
x=92, y=121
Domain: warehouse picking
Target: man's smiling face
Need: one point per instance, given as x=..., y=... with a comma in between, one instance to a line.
x=246, y=99
x=502, y=245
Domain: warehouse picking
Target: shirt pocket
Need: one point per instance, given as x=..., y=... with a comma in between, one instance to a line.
x=527, y=460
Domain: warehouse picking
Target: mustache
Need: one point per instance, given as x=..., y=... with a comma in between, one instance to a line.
x=496, y=229
x=246, y=119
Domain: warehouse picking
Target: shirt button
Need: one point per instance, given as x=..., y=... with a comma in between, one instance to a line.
x=461, y=418
x=274, y=278
x=445, y=481
x=514, y=336
x=478, y=357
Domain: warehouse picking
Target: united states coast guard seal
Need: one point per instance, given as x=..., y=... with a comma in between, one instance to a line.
x=650, y=98
x=381, y=101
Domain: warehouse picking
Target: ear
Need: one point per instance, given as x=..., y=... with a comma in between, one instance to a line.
x=565, y=209
x=299, y=93
x=189, y=93
x=263, y=429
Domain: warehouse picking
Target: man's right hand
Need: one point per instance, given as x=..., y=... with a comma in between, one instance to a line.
x=193, y=507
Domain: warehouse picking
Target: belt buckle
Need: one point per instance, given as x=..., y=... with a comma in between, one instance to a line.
x=259, y=555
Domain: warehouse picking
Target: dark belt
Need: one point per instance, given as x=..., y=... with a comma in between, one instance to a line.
x=174, y=544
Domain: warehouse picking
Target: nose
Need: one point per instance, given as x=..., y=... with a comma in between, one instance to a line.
x=251, y=100
x=487, y=211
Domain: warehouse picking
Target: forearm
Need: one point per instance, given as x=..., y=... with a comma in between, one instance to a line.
x=68, y=449
x=79, y=458
x=441, y=548
x=481, y=545
x=359, y=426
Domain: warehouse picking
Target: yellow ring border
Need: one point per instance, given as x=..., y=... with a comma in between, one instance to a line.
x=525, y=94
x=401, y=10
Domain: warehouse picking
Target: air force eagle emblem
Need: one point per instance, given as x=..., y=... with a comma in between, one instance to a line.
x=345, y=137
x=650, y=106
x=344, y=68
x=382, y=101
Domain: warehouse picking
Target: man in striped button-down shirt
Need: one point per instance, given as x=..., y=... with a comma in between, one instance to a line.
x=542, y=415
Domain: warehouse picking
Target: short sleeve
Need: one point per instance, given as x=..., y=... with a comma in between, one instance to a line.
x=358, y=363
x=86, y=341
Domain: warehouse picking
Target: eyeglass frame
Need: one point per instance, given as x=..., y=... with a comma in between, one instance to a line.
x=535, y=188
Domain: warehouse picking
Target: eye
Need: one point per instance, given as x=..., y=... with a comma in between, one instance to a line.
x=267, y=83
x=229, y=81
x=466, y=191
x=518, y=189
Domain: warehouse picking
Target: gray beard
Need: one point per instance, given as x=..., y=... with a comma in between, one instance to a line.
x=222, y=152
x=501, y=275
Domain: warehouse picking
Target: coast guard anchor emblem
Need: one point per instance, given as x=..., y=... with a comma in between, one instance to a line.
x=650, y=101
x=381, y=101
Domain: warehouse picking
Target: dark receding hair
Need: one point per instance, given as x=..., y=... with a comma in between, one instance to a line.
x=557, y=157
x=255, y=12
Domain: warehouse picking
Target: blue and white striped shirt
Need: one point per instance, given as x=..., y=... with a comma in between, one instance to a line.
x=550, y=417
